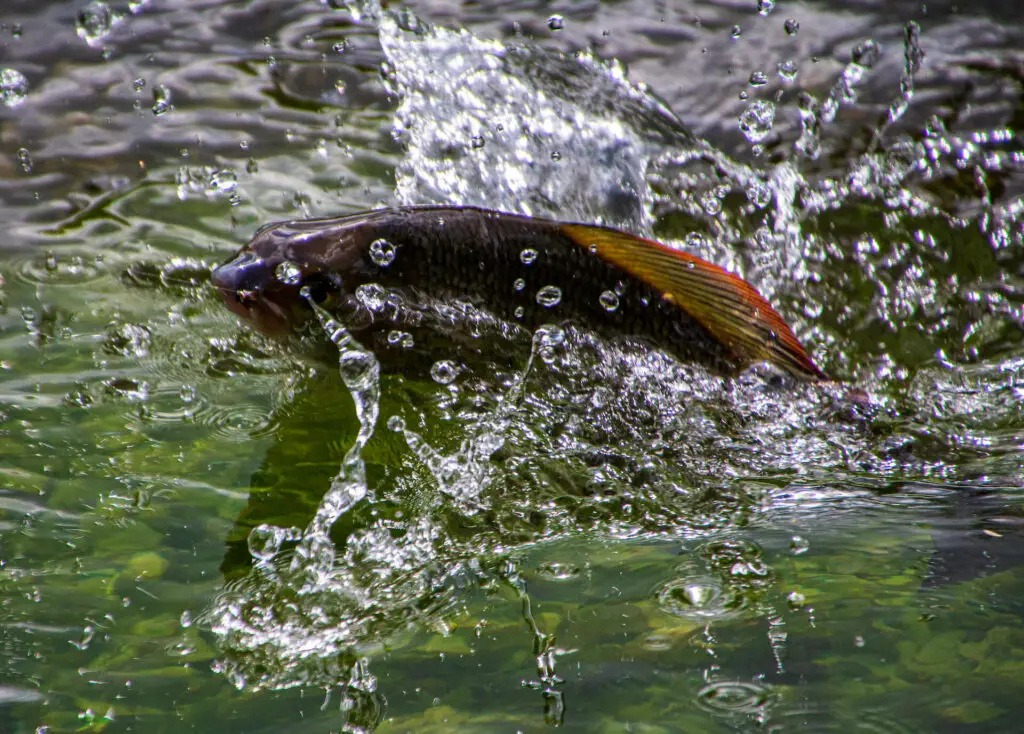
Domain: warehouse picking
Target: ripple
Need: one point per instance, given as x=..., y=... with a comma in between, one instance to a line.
x=558, y=571
x=239, y=422
x=699, y=597
x=59, y=269
x=736, y=697
x=821, y=719
x=128, y=340
x=175, y=404
x=180, y=276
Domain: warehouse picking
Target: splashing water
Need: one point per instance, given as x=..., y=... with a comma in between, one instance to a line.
x=360, y=372
x=631, y=445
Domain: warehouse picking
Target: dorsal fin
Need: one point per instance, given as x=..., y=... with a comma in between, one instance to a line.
x=727, y=306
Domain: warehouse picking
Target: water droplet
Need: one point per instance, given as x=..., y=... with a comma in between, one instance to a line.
x=444, y=371
x=787, y=70
x=711, y=203
x=737, y=32
x=185, y=619
x=401, y=339
x=139, y=84
x=288, y=273
x=382, y=253
x=792, y=26
x=556, y=156
x=94, y=22
x=88, y=632
x=795, y=599
x=866, y=54
x=161, y=100
x=609, y=301
x=556, y=23
x=13, y=87
x=549, y=296
x=519, y=284
x=528, y=255
x=265, y=541
x=357, y=369
x=25, y=160
x=765, y=6
x=372, y=295
x=758, y=78
x=798, y=545
x=477, y=141
x=757, y=120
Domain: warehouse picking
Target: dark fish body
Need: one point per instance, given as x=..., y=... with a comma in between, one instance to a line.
x=520, y=268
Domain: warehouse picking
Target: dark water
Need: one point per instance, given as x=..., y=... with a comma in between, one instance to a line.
x=202, y=529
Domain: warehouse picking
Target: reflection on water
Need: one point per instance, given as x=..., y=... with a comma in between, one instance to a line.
x=554, y=528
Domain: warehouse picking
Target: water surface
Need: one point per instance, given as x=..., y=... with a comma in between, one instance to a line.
x=486, y=528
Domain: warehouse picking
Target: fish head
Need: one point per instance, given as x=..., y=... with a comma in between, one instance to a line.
x=271, y=280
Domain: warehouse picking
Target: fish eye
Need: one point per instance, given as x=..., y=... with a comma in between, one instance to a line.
x=321, y=288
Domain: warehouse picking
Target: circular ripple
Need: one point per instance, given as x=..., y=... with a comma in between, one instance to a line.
x=822, y=719
x=558, y=571
x=239, y=422
x=733, y=697
x=58, y=269
x=699, y=597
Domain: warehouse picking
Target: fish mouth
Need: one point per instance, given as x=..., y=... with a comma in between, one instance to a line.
x=250, y=289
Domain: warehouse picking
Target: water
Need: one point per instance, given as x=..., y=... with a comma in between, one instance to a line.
x=201, y=528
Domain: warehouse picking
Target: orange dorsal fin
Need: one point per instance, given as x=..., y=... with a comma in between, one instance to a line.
x=727, y=306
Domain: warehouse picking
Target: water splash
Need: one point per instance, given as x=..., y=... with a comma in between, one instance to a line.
x=479, y=129
x=360, y=372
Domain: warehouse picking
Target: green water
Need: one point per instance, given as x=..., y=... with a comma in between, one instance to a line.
x=554, y=529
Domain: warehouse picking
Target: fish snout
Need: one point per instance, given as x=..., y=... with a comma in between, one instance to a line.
x=250, y=288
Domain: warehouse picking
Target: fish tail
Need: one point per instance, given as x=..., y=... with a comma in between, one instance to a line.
x=728, y=307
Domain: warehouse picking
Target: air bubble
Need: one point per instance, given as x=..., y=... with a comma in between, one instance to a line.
x=758, y=78
x=792, y=26
x=528, y=256
x=764, y=7
x=396, y=423
x=556, y=23
x=519, y=284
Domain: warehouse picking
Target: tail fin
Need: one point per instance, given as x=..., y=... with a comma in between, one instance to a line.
x=723, y=303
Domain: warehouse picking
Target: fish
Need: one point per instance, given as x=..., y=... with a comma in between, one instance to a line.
x=518, y=267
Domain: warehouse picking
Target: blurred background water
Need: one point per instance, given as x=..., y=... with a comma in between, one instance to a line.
x=605, y=540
